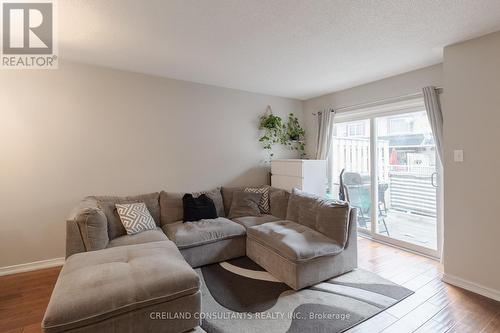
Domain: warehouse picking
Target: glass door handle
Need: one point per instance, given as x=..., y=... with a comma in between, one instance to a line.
x=434, y=178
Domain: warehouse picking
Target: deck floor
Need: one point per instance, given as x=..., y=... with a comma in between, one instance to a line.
x=416, y=229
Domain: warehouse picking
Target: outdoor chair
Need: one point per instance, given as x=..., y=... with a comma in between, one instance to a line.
x=357, y=192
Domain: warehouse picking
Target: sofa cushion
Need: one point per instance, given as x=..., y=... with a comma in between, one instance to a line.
x=293, y=241
x=245, y=204
x=189, y=234
x=171, y=206
x=93, y=225
x=94, y=286
x=115, y=226
x=250, y=221
x=302, y=208
x=278, y=201
x=332, y=220
x=227, y=196
x=140, y=238
x=329, y=217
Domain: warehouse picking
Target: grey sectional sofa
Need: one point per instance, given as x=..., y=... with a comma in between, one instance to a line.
x=94, y=225
x=302, y=241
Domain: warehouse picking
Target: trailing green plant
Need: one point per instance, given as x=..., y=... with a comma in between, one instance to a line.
x=293, y=129
x=276, y=131
x=273, y=131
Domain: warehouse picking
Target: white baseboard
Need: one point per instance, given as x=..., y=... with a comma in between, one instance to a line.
x=31, y=266
x=471, y=286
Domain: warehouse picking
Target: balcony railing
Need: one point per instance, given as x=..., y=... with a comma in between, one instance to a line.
x=410, y=188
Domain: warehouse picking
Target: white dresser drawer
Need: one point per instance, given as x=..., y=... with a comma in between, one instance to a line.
x=286, y=182
x=307, y=175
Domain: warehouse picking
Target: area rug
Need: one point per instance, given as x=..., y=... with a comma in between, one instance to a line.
x=240, y=296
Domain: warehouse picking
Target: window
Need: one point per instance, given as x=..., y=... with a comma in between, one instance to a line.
x=356, y=129
x=400, y=125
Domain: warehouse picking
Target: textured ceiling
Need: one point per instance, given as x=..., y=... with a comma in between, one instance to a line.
x=291, y=48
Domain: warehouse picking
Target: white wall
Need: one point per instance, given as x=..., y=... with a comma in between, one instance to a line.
x=471, y=111
x=407, y=83
x=84, y=130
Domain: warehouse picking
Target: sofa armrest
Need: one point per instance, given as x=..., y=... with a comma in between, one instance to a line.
x=74, y=241
x=352, y=233
x=350, y=253
x=87, y=225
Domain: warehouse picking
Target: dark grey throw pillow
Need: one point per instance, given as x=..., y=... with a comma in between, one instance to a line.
x=245, y=204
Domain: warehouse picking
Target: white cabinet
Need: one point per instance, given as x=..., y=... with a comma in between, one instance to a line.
x=307, y=175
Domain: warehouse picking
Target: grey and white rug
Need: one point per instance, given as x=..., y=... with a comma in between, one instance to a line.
x=240, y=296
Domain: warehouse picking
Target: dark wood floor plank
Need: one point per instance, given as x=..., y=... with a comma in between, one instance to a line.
x=493, y=326
x=24, y=298
x=478, y=312
x=34, y=328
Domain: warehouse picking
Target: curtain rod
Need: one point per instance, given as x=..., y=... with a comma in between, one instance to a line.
x=376, y=102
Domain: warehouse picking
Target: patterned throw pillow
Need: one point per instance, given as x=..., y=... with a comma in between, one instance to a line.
x=135, y=217
x=264, y=199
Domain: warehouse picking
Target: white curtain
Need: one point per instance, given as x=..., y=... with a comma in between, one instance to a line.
x=433, y=107
x=325, y=126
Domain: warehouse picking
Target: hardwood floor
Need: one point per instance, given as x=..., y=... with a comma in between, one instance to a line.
x=435, y=307
x=23, y=299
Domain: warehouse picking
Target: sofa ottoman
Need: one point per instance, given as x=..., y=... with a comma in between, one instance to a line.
x=137, y=288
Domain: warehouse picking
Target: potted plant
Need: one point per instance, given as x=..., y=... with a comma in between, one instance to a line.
x=294, y=131
x=276, y=131
x=273, y=131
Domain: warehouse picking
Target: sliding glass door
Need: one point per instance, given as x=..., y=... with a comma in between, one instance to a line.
x=385, y=165
x=351, y=165
x=407, y=179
